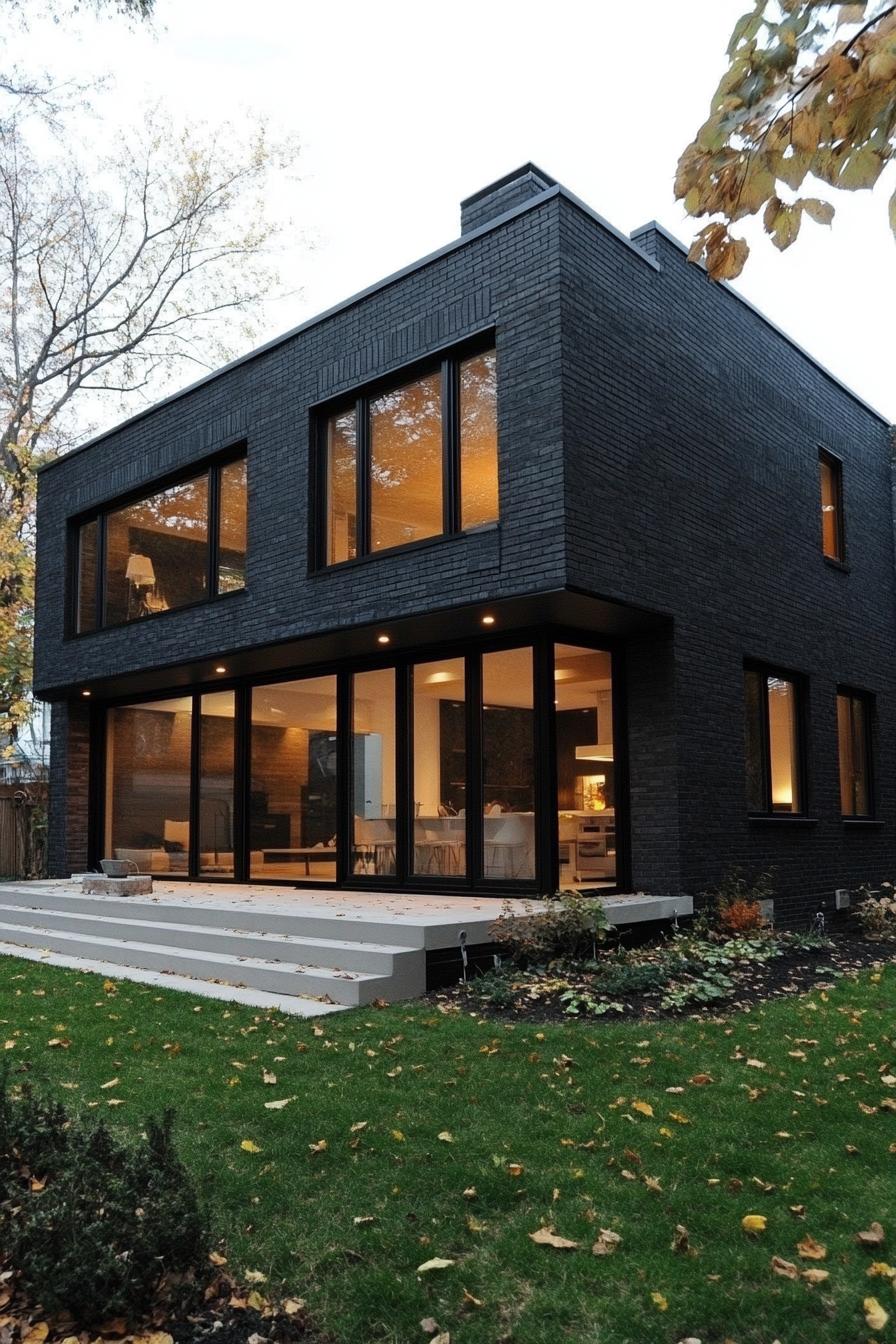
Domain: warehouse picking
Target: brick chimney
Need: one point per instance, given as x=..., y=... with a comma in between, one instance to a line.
x=519, y=186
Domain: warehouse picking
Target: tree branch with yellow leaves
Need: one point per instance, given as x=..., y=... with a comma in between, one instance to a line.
x=800, y=99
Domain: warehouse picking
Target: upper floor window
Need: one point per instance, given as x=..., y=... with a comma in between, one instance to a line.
x=410, y=461
x=773, y=742
x=854, y=711
x=831, y=474
x=172, y=548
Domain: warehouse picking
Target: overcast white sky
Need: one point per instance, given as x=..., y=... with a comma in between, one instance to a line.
x=404, y=108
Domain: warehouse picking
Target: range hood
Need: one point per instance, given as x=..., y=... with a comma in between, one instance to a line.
x=600, y=751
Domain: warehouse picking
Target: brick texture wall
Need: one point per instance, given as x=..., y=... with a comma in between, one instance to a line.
x=658, y=448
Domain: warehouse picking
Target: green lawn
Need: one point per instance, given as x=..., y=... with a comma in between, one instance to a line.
x=770, y=1131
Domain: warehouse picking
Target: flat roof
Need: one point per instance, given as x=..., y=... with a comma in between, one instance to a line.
x=533, y=203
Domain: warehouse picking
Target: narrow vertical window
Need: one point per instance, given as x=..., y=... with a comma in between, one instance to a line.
x=831, y=474
x=773, y=745
x=783, y=745
x=232, y=527
x=342, y=476
x=854, y=742
x=87, y=576
x=478, y=441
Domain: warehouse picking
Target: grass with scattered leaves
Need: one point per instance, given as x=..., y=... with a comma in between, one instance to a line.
x=337, y=1157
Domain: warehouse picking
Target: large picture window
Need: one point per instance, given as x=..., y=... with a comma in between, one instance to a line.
x=854, y=712
x=410, y=461
x=169, y=549
x=773, y=743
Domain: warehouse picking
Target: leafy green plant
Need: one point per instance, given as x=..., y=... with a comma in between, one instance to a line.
x=797, y=941
x=566, y=926
x=578, y=999
x=91, y=1223
x=495, y=987
x=637, y=977
x=876, y=911
x=700, y=989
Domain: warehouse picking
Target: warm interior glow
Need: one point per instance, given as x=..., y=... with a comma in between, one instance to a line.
x=478, y=441
x=406, y=464
x=782, y=743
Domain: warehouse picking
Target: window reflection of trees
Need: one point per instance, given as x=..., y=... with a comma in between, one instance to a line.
x=407, y=417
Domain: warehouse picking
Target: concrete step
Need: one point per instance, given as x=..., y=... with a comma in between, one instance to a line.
x=351, y=988
x=300, y=921
x=337, y=954
x=291, y=1005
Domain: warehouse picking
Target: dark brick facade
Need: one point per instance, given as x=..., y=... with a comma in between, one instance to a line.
x=658, y=450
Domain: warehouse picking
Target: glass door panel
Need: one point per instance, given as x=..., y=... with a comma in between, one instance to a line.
x=292, y=799
x=373, y=774
x=148, y=750
x=216, y=763
x=440, y=769
x=508, y=765
x=586, y=817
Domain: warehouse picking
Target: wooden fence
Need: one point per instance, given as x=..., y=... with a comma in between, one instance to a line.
x=23, y=831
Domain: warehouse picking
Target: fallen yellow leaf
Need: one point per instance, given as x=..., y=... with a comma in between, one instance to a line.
x=659, y=1301
x=754, y=1223
x=436, y=1263
x=248, y=1146
x=320, y=1147
x=875, y=1316
x=644, y=1107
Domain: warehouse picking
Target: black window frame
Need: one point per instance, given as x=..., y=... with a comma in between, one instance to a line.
x=211, y=468
x=447, y=363
x=541, y=639
x=868, y=700
x=835, y=464
x=798, y=681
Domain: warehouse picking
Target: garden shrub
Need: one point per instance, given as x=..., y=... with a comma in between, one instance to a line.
x=735, y=902
x=91, y=1222
x=567, y=927
x=876, y=911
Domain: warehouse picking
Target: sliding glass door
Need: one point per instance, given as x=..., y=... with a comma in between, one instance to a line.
x=439, y=728
x=491, y=769
x=374, y=811
x=293, y=805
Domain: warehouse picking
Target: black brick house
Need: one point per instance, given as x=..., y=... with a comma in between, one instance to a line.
x=542, y=562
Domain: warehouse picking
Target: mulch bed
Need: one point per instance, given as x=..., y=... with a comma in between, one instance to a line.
x=793, y=973
x=222, y=1313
